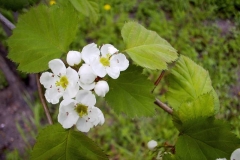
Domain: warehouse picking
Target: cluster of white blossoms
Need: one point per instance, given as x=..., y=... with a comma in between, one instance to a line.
x=78, y=86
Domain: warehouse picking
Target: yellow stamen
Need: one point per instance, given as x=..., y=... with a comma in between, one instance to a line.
x=63, y=82
x=105, y=60
x=81, y=110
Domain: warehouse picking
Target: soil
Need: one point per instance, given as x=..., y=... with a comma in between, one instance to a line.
x=13, y=107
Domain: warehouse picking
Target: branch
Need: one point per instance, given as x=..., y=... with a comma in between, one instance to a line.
x=158, y=80
x=163, y=106
x=43, y=101
x=6, y=22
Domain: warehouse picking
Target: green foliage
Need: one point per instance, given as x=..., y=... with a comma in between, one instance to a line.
x=131, y=93
x=16, y=5
x=199, y=107
x=49, y=34
x=54, y=142
x=205, y=138
x=187, y=82
x=146, y=47
x=88, y=8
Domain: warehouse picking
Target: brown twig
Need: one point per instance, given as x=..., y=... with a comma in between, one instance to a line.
x=163, y=106
x=43, y=101
x=158, y=80
x=6, y=22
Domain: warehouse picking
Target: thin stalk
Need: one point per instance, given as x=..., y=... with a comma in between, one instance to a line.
x=163, y=106
x=158, y=80
x=43, y=101
x=6, y=22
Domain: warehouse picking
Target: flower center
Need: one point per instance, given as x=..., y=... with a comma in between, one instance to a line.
x=105, y=60
x=63, y=82
x=81, y=110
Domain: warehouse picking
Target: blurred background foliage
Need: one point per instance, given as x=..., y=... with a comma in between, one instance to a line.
x=206, y=31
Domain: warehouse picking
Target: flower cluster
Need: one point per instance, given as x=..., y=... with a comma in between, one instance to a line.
x=80, y=81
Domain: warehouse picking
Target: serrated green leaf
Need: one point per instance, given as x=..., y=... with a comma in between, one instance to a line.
x=146, y=47
x=200, y=107
x=88, y=8
x=131, y=93
x=205, y=138
x=187, y=82
x=41, y=35
x=54, y=142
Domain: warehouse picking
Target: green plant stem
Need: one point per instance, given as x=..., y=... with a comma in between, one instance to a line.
x=163, y=106
x=43, y=101
x=6, y=22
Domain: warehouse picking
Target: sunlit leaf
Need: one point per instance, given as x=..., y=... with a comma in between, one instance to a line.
x=54, y=142
x=41, y=35
x=202, y=106
x=131, y=93
x=88, y=8
x=146, y=47
x=187, y=82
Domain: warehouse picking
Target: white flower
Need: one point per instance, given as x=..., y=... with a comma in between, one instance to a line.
x=86, y=74
x=61, y=83
x=221, y=159
x=151, y=144
x=73, y=58
x=109, y=62
x=80, y=112
x=101, y=88
x=235, y=155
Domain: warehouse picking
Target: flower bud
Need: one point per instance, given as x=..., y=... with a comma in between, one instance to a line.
x=101, y=88
x=152, y=144
x=86, y=74
x=73, y=58
x=236, y=154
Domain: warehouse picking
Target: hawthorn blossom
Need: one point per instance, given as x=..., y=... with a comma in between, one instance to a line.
x=109, y=62
x=80, y=112
x=152, y=144
x=235, y=155
x=73, y=58
x=101, y=88
x=61, y=83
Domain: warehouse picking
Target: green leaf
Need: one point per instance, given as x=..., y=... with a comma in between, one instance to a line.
x=41, y=35
x=146, y=47
x=187, y=82
x=204, y=139
x=131, y=93
x=54, y=142
x=202, y=106
x=88, y=8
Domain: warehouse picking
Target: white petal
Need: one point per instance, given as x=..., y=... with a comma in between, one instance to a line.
x=152, y=144
x=86, y=74
x=98, y=68
x=101, y=88
x=67, y=116
x=57, y=67
x=113, y=72
x=86, y=86
x=53, y=95
x=235, y=155
x=72, y=75
x=86, y=98
x=73, y=58
x=90, y=52
x=108, y=49
x=71, y=91
x=48, y=80
x=120, y=61
x=95, y=116
x=83, y=125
